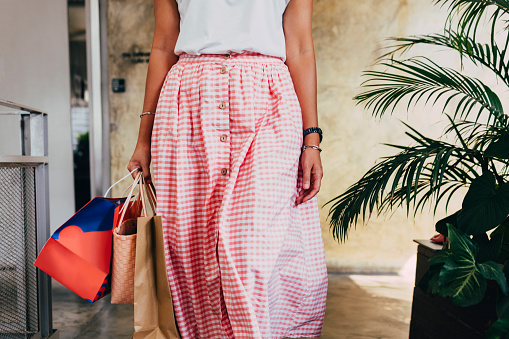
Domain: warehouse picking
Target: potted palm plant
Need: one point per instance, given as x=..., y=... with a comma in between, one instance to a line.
x=432, y=171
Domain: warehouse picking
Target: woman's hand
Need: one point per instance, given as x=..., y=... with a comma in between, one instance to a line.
x=312, y=175
x=141, y=160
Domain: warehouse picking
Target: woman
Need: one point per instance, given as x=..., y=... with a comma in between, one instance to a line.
x=230, y=121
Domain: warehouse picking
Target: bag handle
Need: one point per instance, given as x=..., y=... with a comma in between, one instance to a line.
x=109, y=189
x=151, y=196
x=126, y=203
x=142, y=195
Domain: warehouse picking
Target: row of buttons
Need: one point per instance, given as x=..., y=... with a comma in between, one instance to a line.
x=222, y=105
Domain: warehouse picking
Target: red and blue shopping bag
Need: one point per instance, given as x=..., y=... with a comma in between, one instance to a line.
x=78, y=254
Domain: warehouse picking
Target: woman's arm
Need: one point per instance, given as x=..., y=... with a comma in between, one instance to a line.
x=300, y=59
x=162, y=57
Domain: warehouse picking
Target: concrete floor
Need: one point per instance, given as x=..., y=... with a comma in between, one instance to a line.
x=358, y=306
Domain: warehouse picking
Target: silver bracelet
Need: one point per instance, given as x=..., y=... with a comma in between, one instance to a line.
x=147, y=113
x=311, y=146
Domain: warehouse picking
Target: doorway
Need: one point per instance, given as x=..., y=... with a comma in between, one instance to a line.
x=79, y=101
x=89, y=98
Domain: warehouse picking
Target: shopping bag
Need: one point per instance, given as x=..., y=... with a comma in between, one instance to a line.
x=124, y=250
x=78, y=254
x=153, y=307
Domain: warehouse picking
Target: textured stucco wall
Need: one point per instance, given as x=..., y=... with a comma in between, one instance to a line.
x=347, y=36
x=130, y=27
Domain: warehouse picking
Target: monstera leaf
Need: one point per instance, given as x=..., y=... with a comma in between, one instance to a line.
x=489, y=249
x=462, y=277
x=501, y=326
x=459, y=278
x=441, y=225
x=436, y=262
x=490, y=270
x=485, y=205
x=499, y=329
x=502, y=232
x=498, y=148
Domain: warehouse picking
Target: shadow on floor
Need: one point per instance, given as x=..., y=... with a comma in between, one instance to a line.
x=354, y=310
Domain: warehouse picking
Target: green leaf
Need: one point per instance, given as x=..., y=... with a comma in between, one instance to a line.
x=499, y=329
x=410, y=177
x=498, y=149
x=484, y=206
x=439, y=258
x=460, y=243
x=502, y=232
x=490, y=270
x=466, y=15
x=459, y=278
x=506, y=269
x=434, y=277
x=481, y=239
x=488, y=248
x=441, y=225
x=420, y=79
x=478, y=53
x=436, y=262
x=503, y=307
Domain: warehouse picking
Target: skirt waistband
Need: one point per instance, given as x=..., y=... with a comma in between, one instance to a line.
x=230, y=58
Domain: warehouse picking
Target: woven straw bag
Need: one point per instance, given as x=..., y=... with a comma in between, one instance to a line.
x=124, y=257
x=124, y=253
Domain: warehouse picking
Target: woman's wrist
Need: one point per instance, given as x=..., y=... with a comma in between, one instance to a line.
x=313, y=130
x=143, y=144
x=312, y=139
x=312, y=147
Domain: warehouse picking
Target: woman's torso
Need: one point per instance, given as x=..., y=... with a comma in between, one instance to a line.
x=231, y=26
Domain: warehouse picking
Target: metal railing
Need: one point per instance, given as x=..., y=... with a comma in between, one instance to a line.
x=25, y=291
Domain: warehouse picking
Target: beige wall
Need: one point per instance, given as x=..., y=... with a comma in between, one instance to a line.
x=34, y=71
x=347, y=35
x=130, y=27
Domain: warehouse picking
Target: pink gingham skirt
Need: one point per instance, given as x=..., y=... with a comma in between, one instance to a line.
x=243, y=261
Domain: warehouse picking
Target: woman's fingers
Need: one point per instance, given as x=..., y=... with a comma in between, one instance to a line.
x=144, y=168
x=140, y=161
x=311, y=179
x=146, y=174
x=315, y=188
x=306, y=176
x=133, y=164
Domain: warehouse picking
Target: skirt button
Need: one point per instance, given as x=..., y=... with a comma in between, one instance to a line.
x=224, y=171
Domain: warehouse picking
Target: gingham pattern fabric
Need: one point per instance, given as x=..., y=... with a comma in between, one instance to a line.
x=243, y=261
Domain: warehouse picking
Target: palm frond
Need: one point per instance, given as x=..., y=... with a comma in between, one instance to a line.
x=432, y=169
x=420, y=79
x=452, y=181
x=478, y=136
x=487, y=55
x=468, y=13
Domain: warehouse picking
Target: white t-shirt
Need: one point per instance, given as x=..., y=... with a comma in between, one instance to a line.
x=231, y=26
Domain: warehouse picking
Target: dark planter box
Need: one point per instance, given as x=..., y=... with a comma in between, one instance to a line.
x=438, y=318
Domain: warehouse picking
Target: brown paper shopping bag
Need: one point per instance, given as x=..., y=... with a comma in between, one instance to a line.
x=153, y=306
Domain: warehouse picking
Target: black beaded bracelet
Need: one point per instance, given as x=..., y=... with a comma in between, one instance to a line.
x=313, y=130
